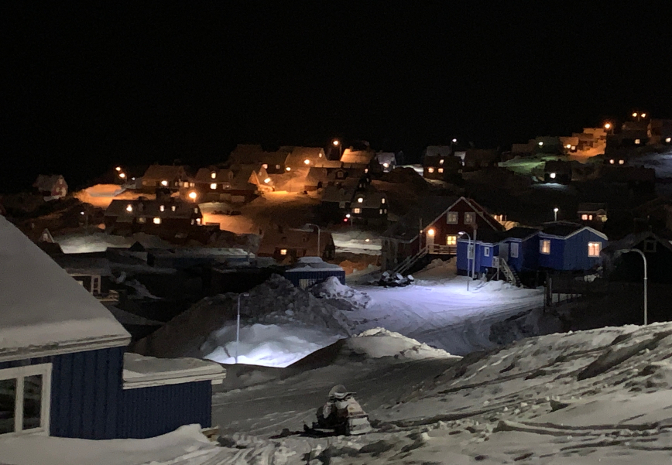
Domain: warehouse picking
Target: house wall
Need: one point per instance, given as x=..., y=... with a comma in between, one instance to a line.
x=554, y=260
x=571, y=253
x=483, y=262
x=528, y=254
x=85, y=392
x=152, y=411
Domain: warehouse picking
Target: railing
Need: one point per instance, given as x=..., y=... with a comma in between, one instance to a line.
x=508, y=272
x=408, y=262
x=438, y=249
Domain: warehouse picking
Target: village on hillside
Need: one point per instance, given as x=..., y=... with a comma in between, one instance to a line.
x=169, y=303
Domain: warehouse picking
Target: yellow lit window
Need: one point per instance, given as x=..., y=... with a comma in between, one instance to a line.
x=213, y=175
x=545, y=247
x=440, y=170
x=430, y=170
x=594, y=249
x=356, y=210
x=283, y=251
x=451, y=240
x=584, y=217
x=156, y=220
x=213, y=186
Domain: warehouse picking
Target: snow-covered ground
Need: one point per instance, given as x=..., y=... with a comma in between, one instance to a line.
x=99, y=241
x=359, y=242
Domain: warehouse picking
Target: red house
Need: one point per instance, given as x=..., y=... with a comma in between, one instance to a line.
x=51, y=186
x=432, y=230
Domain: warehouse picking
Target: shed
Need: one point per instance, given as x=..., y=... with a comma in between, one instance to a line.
x=311, y=270
x=565, y=246
x=62, y=360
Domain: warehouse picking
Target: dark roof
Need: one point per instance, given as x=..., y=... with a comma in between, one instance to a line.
x=161, y=172
x=520, y=232
x=561, y=228
x=591, y=207
x=409, y=225
x=631, y=241
x=489, y=236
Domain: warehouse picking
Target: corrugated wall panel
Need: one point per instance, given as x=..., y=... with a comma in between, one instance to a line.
x=151, y=411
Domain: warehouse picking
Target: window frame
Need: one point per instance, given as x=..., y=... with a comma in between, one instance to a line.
x=514, y=249
x=649, y=246
x=591, y=246
x=542, y=242
x=18, y=374
x=468, y=215
x=452, y=243
x=456, y=216
x=486, y=251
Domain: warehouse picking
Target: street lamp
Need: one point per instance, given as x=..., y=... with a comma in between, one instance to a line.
x=337, y=143
x=469, y=246
x=318, y=238
x=608, y=127
x=245, y=294
x=555, y=214
x=645, y=282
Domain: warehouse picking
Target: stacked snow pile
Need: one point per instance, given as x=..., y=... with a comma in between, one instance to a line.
x=340, y=295
x=275, y=302
x=379, y=343
x=437, y=269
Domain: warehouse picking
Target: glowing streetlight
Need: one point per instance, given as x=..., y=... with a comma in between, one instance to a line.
x=193, y=195
x=454, y=141
x=164, y=183
x=634, y=115
x=607, y=126
x=337, y=143
x=555, y=214
x=288, y=169
x=643, y=115
x=306, y=161
x=118, y=168
x=122, y=175
x=245, y=294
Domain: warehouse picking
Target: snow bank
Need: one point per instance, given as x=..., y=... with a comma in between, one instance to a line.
x=186, y=443
x=437, y=270
x=99, y=242
x=379, y=342
x=332, y=289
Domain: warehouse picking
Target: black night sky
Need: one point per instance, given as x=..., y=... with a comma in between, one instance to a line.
x=86, y=86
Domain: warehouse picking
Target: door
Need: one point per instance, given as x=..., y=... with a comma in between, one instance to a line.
x=504, y=251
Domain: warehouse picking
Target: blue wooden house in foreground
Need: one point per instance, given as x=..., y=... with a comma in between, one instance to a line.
x=559, y=246
x=63, y=367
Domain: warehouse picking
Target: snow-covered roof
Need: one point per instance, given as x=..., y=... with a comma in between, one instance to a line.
x=161, y=172
x=46, y=182
x=42, y=309
x=141, y=371
x=312, y=264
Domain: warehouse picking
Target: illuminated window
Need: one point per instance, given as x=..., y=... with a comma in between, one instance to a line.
x=196, y=210
x=156, y=220
x=267, y=180
x=440, y=170
x=552, y=175
x=193, y=221
x=451, y=240
x=514, y=249
x=356, y=210
x=283, y=251
x=265, y=166
x=360, y=200
x=486, y=251
x=594, y=249
x=469, y=217
x=430, y=170
x=590, y=217
x=198, y=221
x=382, y=211
x=638, y=141
x=611, y=161
x=620, y=162
x=382, y=200
x=142, y=220
x=192, y=184
x=277, y=167
x=173, y=208
x=164, y=183
x=213, y=175
x=545, y=247
x=452, y=218
x=162, y=208
x=441, y=161
x=213, y=185
x=129, y=208
x=584, y=217
x=306, y=161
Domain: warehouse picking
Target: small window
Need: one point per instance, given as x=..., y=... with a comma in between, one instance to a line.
x=193, y=221
x=196, y=210
x=649, y=246
x=441, y=161
x=430, y=170
x=213, y=186
x=213, y=175
x=356, y=210
x=192, y=184
x=451, y=240
x=621, y=162
x=156, y=220
x=265, y=166
x=277, y=167
x=590, y=217
x=283, y=251
x=594, y=249
x=25, y=398
x=452, y=218
x=382, y=200
x=162, y=208
x=142, y=220
x=514, y=249
x=381, y=211
x=440, y=170
x=198, y=221
x=486, y=251
x=545, y=247
x=173, y=208
x=584, y=217
x=469, y=218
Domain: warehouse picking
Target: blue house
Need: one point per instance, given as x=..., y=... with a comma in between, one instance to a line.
x=520, y=249
x=64, y=370
x=565, y=246
x=487, y=247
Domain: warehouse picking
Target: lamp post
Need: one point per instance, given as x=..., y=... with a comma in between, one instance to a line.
x=555, y=214
x=318, y=238
x=464, y=233
x=645, y=282
x=337, y=143
x=245, y=294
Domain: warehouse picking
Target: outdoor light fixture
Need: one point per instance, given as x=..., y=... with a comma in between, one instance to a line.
x=668, y=140
x=541, y=144
x=607, y=126
x=360, y=200
x=336, y=142
x=620, y=162
x=157, y=220
x=129, y=208
x=386, y=165
x=347, y=215
x=611, y=161
x=213, y=175
x=634, y=115
x=441, y=161
x=454, y=141
x=164, y=183
x=552, y=175
x=118, y=168
x=431, y=232
x=267, y=180
x=288, y=169
x=568, y=146
x=643, y=115
x=122, y=175
x=306, y=161
x=555, y=214
x=638, y=141
x=192, y=195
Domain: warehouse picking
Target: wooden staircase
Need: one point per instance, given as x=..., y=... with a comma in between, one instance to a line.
x=406, y=265
x=509, y=273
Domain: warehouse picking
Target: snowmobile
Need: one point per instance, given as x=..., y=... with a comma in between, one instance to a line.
x=341, y=415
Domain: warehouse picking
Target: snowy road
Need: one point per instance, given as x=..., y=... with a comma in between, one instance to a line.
x=442, y=313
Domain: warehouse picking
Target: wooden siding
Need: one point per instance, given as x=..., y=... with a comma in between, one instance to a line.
x=571, y=253
x=483, y=262
x=152, y=411
x=85, y=388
